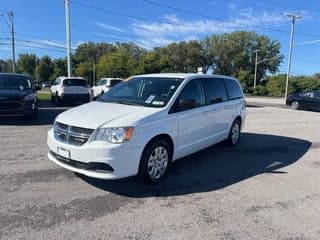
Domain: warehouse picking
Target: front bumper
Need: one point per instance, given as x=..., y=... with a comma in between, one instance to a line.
x=17, y=108
x=123, y=159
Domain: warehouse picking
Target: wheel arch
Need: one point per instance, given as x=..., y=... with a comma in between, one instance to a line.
x=163, y=136
x=239, y=118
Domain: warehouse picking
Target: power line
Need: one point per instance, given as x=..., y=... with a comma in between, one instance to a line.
x=114, y=12
x=220, y=19
x=35, y=42
x=32, y=46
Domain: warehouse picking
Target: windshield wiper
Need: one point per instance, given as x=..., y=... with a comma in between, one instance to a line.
x=127, y=103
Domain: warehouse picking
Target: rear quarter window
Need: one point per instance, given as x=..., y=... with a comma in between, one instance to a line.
x=234, y=89
x=215, y=90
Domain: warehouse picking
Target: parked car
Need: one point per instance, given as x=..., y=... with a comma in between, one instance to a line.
x=104, y=85
x=45, y=84
x=70, y=89
x=309, y=100
x=17, y=95
x=141, y=125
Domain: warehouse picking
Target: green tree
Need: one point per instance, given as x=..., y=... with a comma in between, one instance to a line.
x=27, y=64
x=153, y=62
x=132, y=49
x=231, y=53
x=59, y=68
x=44, y=69
x=5, y=65
x=185, y=56
x=87, y=55
x=85, y=69
x=119, y=64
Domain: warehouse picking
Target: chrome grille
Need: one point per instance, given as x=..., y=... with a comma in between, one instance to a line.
x=71, y=135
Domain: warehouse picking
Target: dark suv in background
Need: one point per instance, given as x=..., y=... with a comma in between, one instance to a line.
x=17, y=95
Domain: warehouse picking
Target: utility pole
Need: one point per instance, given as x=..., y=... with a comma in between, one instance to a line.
x=68, y=45
x=11, y=29
x=35, y=70
x=255, y=69
x=94, y=73
x=294, y=17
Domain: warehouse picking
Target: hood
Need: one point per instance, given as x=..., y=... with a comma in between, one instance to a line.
x=7, y=94
x=95, y=114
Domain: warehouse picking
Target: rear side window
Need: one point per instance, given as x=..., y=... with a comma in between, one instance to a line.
x=308, y=94
x=75, y=82
x=215, y=90
x=234, y=89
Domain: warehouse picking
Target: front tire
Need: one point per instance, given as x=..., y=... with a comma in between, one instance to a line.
x=295, y=105
x=155, y=161
x=234, y=134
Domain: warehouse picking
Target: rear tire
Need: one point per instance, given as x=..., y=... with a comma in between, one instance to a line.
x=234, y=134
x=58, y=99
x=155, y=161
x=295, y=105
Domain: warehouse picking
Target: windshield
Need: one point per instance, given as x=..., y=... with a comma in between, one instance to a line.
x=15, y=82
x=102, y=82
x=143, y=91
x=75, y=82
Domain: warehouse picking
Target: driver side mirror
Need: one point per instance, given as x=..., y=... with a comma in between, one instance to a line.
x=36, y=87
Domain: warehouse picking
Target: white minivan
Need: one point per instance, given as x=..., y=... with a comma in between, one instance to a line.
x=144, y=123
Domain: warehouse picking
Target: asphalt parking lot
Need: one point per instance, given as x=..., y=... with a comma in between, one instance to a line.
x=268, y=187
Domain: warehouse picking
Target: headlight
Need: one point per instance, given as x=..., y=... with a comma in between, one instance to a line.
x=29, y=97
x=113, y=135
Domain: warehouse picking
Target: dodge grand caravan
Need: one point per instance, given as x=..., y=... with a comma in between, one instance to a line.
x=143, y=124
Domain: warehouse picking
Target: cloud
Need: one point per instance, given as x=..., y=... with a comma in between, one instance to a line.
x=49, y=43
x=307, y=42
x=173, y=28
x=110, y=27
x=4, y=48
x=113, y=36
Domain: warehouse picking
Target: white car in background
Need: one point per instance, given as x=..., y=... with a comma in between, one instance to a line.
x=143, y=124
x=104, y=85
x=70, y=89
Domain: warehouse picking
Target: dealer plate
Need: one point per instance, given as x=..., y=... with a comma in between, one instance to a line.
x=64, y=152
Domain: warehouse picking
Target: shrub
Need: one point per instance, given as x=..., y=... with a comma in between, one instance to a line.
x=260, y=91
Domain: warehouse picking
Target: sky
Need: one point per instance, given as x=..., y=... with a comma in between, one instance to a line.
x=40, y=25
